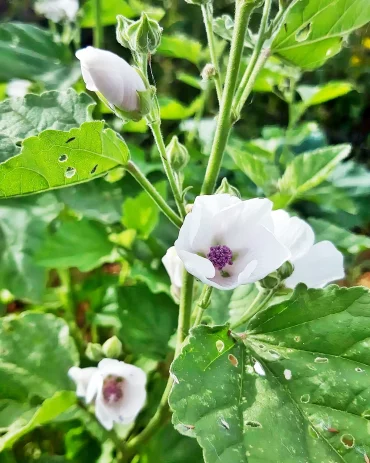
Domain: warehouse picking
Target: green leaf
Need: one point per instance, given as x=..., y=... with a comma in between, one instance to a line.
x=315, y=95
x=172, y=109
x=29, y=52
x=148, y=321
x=56, y=159
x=21, y=118
x=343, y=239
x=37, y=353
x=331, y=198
x=306, y=171
x=156, y=279
x=182, y=47
x=314, y=30
x=297, y=390
x=49, y=410
x=23, y=225
x=83, y=244
x=141, y=213
x=352, y=177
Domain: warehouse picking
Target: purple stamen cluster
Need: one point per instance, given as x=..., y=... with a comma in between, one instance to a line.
x=220, y=256
x=112, y=389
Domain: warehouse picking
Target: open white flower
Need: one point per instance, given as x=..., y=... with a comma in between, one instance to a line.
x=57, y=10
x=314, y=264
x=17, y=88
x=112, y=76
x=227, y=242
x=175, y=269
x=116, y=388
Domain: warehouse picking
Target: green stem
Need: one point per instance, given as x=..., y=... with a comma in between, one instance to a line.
x=207, y=11
x=157, y=134
x=98, y=27
x=262, y=298
x=186, y=302
x=250, y=75
x=202, y=304
x=153, y=193
x=225, y=118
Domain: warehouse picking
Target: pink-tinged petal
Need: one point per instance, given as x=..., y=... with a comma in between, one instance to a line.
x=296, y=234
x=198, y=266
x=129, y=372
x=321, y=265
x=105, y=415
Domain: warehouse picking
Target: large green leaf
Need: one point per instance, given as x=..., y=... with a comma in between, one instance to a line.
x=36, y=354
x=21, y=118
x=313, y=30
x=180, y=46
x=56, y=159
x=83, y=244
x=29, y=52
x=296, y=391
x=23, y=225
x=306, y=171
x=314, y=95
x=49, y=410
x=148, y=321
x=344, y=240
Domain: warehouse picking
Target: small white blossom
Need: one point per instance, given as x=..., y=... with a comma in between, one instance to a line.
x=112, y=76
x=227, y=242
x=116, y=388
x=57, y=10
x=314, y=264
x=18, y=88
x=175, y=269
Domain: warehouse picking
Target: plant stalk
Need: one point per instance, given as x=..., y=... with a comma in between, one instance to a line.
x=261, y=300
x=153, y=193
x=98, y=38
x=225, y=121
x=202, y=304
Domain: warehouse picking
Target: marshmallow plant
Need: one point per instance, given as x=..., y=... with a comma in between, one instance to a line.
x=57, y=10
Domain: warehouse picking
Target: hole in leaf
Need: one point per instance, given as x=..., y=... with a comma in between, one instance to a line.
x=18, y=143
x=303, y=33
x=70, y=172
x=312, y=432
x=70, y=139
x=366, y=414
x=63, y=158
x=287, y=374
x=233, y=360
x=297, y=338
x=321, y=360
x=253, y=424
x=225, y=424
x=359, y=370
x=348, y=441
x=93, y=170
x=305, y=398
x=274, y=354
x=258, y=368
x=220, y=346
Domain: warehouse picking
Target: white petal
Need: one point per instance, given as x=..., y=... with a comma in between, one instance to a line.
x=322, y=264
x=17, y=88
x=112, y=76
x=124, y=370
x=174, y=267
x=94, y=387
x=198, y=266
x=82, y=377
x=134, y=397
x=294, y=233
x=105, y=416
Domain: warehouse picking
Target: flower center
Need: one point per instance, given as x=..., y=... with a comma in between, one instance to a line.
x=112, y=389
x=220, y=256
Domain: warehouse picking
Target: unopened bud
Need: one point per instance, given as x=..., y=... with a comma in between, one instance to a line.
x=94, y=352
x=285, y=270
x=112, y=348
x=189, y=208
x=226, y=188
x=121, y=30
x=209, y=72
x=142, y=36
x=177, y=154
x=270, y=282
x=198, y=2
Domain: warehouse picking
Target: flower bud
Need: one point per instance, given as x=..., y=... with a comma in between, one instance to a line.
x=117, y=83
x=226, y=188
x=272, y=281
x=94, y=352
x=121, y=30
x=209, y=72
x=144, y=35
x=285, y=270
x=198, y=2
x=177, y=154
x=112, y=348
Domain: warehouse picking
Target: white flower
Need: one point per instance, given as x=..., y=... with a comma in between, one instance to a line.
x=175, y=269
x=57, y=10
x=227, y=242
x=314, y=264
x=112, y=76
x=17, y=88
x=116, y=388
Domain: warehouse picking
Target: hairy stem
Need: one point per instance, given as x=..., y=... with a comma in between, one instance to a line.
x=207, y=11
x=186, y=302
x=153, y=193
x=98, y=28
x=262, y=298
x=202, y=304
x=225, y=121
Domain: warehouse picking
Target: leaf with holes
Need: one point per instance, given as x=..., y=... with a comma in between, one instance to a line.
x=56, y=159
x=307, y=171
x=314, y=30
x=21, y=118
x=294, y=389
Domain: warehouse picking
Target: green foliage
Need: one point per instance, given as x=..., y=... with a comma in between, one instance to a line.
x=313, y=31
x=180, y=46
x=21, y=118
x=56, y=159
x=297, y=365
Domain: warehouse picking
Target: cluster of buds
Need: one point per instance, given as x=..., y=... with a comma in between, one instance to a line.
x=141, y=37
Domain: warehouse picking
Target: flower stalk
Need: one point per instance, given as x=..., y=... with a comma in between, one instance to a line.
x=98, y=28
x=259, y=303
x=202, y=304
